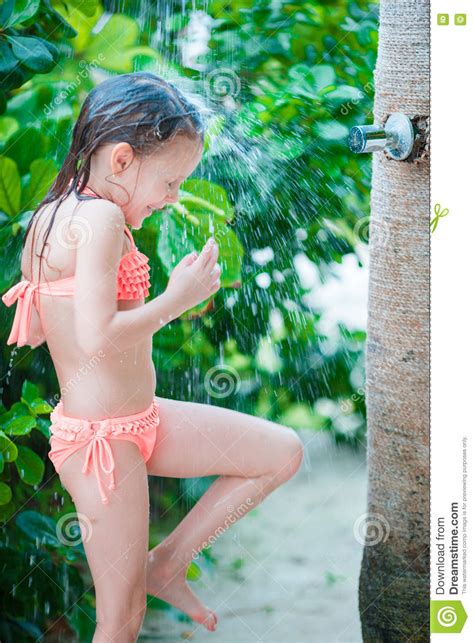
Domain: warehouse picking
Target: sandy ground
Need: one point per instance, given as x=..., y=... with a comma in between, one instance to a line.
x=300, y=561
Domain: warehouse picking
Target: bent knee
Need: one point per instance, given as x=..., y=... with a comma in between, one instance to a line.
x=291, y=455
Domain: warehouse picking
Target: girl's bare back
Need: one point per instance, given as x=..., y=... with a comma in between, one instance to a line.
x=107, y=383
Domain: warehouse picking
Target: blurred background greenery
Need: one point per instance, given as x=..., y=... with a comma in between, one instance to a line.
x=281, y=83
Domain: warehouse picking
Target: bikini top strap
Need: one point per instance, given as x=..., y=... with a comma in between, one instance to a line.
x=130, y=236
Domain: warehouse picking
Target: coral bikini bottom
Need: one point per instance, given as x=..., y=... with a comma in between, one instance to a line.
x=69, y=434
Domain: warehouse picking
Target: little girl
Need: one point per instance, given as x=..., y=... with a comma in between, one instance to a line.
x=136, y=139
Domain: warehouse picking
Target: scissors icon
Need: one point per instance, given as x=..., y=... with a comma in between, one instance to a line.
x=438, y=214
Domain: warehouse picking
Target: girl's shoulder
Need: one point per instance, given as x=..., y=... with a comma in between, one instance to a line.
x=75, y=224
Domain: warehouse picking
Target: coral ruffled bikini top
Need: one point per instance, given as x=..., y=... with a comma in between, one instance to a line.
x=133, y=282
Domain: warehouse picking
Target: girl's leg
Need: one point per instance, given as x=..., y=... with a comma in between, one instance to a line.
x=253, y=457
x=115, y=537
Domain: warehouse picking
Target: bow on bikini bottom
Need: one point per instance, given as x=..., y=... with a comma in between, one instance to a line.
x=69, y=434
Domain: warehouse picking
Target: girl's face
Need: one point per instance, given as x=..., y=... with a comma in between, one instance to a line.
x=151, y=181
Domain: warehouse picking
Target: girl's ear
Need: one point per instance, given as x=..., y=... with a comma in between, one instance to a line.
x=121, y=157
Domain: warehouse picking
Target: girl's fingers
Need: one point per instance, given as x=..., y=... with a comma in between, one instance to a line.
x=216, y=269
x=209, y=253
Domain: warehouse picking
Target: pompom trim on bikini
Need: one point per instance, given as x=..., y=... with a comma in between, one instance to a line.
x=133, y=279
x=79, y=430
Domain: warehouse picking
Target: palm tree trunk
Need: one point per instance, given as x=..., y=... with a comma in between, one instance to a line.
x=394, y=582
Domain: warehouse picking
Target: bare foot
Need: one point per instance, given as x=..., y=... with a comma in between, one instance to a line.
x=170, y=585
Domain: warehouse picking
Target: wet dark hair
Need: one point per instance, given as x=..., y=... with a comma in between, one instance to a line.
x=139, y=108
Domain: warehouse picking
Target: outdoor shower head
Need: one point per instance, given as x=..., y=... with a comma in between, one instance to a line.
x=396, y=138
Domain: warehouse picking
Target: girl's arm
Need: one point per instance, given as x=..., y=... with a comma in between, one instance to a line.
x=98, y=323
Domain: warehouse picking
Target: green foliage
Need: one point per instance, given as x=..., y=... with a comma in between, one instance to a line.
x=20, y=465
x=33, y=545
x=42, y=587
x=29, y=36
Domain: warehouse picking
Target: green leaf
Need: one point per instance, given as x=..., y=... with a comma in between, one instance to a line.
x=102, y=47
x=299, y=416
x=10, y=186
x=6, y=10
x=8, y=449
x=31, y=398
x=59, y=25
x=332, y=130
x=32, y=52
x=323, y=75
x=309, y=81
x=29, y=465
x=211, y=198
x=301, y=82
x=7, y=60
x=193, y=572
x=344, y=94
x=26, y=145
x=14, y=424
x=36, y=526
x=29, y=391
x=23, y=11
x=42, y=174
x=87, y=7
x=38, y=406
x=42, y=424
x=8, y=126
x=5, y=493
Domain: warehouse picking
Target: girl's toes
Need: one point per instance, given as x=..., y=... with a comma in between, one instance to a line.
x=211, y=621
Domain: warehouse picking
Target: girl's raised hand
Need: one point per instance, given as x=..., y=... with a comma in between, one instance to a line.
x=195, y=278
